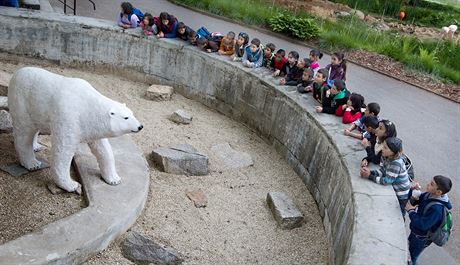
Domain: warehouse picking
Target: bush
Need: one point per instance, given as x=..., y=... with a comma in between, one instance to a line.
x=299, y=27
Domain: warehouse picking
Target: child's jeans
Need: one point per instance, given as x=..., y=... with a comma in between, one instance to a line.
x=416, y=245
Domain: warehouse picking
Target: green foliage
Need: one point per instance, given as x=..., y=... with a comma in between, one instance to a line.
x=438, y=57
x=299, y=27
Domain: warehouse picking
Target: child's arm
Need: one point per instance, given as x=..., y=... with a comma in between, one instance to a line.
x=260, y=60
x=245, y=57
x=134, y=21
x=427, y=221
x=349, y=118
x=388, y=176
x=119, y=20
x=358, y=136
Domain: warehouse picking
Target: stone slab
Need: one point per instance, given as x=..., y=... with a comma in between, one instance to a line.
x=198, y=198
x=111, y=211
x=181, y=159
x=284, y=210
x=142, y=250
x=3, y=103
x=232, y=158
x=16, y=170
x=181, y=117
x=159, y=93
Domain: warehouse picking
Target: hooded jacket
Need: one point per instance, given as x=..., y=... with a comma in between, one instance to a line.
x=420, y=224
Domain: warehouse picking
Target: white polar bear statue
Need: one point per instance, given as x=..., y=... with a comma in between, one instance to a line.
x=72, y=112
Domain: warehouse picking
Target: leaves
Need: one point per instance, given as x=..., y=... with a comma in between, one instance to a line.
x=299, y=27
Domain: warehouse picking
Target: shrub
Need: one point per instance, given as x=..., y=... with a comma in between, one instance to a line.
x=299, y=27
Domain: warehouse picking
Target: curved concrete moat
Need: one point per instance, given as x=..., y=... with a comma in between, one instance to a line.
x=362, y=220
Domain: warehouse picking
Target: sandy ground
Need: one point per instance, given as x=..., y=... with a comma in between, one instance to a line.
x=236, y=227
x=25, y=202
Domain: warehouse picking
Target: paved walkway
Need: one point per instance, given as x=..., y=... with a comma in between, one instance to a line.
x=428, y=124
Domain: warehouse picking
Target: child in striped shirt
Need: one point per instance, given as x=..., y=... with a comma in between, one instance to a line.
x=392, y=171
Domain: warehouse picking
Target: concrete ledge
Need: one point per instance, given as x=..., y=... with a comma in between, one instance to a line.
x=361, y=218
x=111, y=211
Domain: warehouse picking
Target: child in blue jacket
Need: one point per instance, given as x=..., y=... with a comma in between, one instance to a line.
x=253, y=55
x=424, y=220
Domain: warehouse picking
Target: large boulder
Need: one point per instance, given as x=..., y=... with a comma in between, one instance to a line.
x=3, y=103
x=181, y=159
x=6, y=124
x=159, y=93
x=232, y=158
x=4, y=81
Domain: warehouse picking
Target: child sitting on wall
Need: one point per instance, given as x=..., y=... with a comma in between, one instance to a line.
x=183, y=31
x=372, y=109
x=269, y=54
x=392, y=171
x=207, y=45
x=295, y=75
x=320, y=85
x=306, y=83
x=290, y=65
x=351, y=111
x=129, y=17
x=227, y=44
x=278, y=60
x=148, y=26
x=334, y=98
x=240, y=46
x=253, y=56
x=166, y=25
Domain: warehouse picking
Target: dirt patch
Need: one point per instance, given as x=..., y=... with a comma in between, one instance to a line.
x=25, y=202
x=236, y=226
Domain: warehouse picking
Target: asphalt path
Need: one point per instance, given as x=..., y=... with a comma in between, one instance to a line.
x=428, y=124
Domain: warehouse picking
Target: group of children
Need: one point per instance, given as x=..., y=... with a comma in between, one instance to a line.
x=328, y=87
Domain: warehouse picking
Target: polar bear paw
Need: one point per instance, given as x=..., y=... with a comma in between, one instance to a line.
x=112, y=180
x=71, y=186
x=32, y=165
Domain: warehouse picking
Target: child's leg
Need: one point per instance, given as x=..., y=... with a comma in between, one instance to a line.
x=416, y=246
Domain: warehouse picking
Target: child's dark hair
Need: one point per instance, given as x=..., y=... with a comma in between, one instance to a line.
x=324, y=72
x=371, y=121
x=307, y=62
x=444, y=183
x=165, y=16
x=343, y=61
x=294, y=54
x=180, y=25
x=357, y=101
x=150, y=18
x=231, y=34
x=192, y=34
x=202, y=41
x=127, y=8
x=245, y=36
x=310, y=73
x=281, y=52
x=271, y=46
x=374, y=108
x=256, y=42
x=390, y=129
x=339, y=84
x=316, y=53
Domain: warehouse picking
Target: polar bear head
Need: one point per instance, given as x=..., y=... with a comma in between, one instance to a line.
x=122, y=120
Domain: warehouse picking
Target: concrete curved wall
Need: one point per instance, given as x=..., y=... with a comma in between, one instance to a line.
x=362, y=219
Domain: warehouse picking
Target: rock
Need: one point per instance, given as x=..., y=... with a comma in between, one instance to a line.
x=182, y=117
x=6, y=124
x=198, y=198
x=4, y=81
x=284, y=210
x=381, y=26
x=141, y=250
x=232, y=158
x=341, y=14
x=3, y=103
x=181, y=159
x=159, y=93
x=358, y=13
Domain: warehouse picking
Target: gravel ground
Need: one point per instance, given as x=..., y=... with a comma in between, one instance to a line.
x=236, y=227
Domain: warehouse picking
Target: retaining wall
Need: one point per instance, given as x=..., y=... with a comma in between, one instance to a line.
x=362, y=219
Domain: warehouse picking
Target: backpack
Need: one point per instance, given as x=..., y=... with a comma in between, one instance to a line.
x=441, y=235
x=409, y=167
x=203, y=32
x=138, y=13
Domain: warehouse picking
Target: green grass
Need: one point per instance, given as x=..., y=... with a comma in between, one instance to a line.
x=440, y=58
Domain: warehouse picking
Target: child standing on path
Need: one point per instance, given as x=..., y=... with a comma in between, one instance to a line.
x=315, y=56
x=253, y=54
x=227, y=44
x=240, y=45
x=278, y=60
x=338, y=67
x=129, y=17
x=385, y=130
x=269, y=53
x=166, y=25
x=372, y=109
x=392, y=171
x=428, y=216
x=334, y=98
